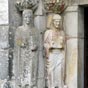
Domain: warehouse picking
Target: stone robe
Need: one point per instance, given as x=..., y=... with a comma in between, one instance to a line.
x=54, y=45
x=25, y=63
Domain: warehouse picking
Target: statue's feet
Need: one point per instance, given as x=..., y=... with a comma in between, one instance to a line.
x=34, y=87
x=65, y=86
x=56, y=87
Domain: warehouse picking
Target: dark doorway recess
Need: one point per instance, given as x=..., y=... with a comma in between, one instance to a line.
x=86, y=47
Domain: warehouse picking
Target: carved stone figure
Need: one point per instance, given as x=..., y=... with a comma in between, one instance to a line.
x=54, y=47
x=26, y=52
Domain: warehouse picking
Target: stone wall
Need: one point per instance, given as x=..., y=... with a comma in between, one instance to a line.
x=77, y=2
x=4, y=39
x=15, y=20
x=10, y=19
x=4, y=26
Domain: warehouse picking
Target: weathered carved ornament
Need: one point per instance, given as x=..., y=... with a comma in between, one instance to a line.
x=55, y=6
x=26, y=4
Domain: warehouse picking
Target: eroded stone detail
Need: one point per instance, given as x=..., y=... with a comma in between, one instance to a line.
x=4, y=12
x=26, y=4
x=4, y=61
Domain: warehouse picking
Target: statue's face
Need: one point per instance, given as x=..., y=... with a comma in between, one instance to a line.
x=27, y=18
x=56, y=23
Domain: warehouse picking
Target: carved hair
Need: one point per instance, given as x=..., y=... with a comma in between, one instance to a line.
x=56, y=17
x=27, y=11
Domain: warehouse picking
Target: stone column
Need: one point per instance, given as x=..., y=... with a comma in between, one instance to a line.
x=71, y=30
x=40, y=24
x=4, y=26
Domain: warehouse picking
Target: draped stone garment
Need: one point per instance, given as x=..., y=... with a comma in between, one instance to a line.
x=25, y=60
x=53, y=43
x=55, y=69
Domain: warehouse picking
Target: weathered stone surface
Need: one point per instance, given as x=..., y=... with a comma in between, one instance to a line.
x=81, y=48
x=3, y=53
x=3, y=64
x=80, y=63
x=83, y=1
x=77, y=2
x=72, y=2
x=81, y=22
x=40, y=20
x=54, y=43
x=4, y=12
x=71, y=63
x=3, y=36
x=71, y=22
x=49, y=20
x=71, y=30
x=26, y=52
x=15, y=17
x=71, y=9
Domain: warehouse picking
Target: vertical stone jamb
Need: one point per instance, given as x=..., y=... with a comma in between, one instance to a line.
x=81, y=47
x=71, y=30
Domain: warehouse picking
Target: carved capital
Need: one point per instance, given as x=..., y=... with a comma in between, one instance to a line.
x=55, y=6
x=26, y=4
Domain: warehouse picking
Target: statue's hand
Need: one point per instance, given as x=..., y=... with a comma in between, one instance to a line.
x=23, y=45
x=34, y=48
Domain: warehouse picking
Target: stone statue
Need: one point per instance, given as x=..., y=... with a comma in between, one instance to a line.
x=54, y=47
x=26, y=52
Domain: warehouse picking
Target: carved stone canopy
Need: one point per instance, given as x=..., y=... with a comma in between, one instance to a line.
x=26, y=4
x=55, y=6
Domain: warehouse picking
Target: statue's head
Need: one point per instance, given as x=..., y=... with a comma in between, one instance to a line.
x=56, y=20
x=27, y=17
